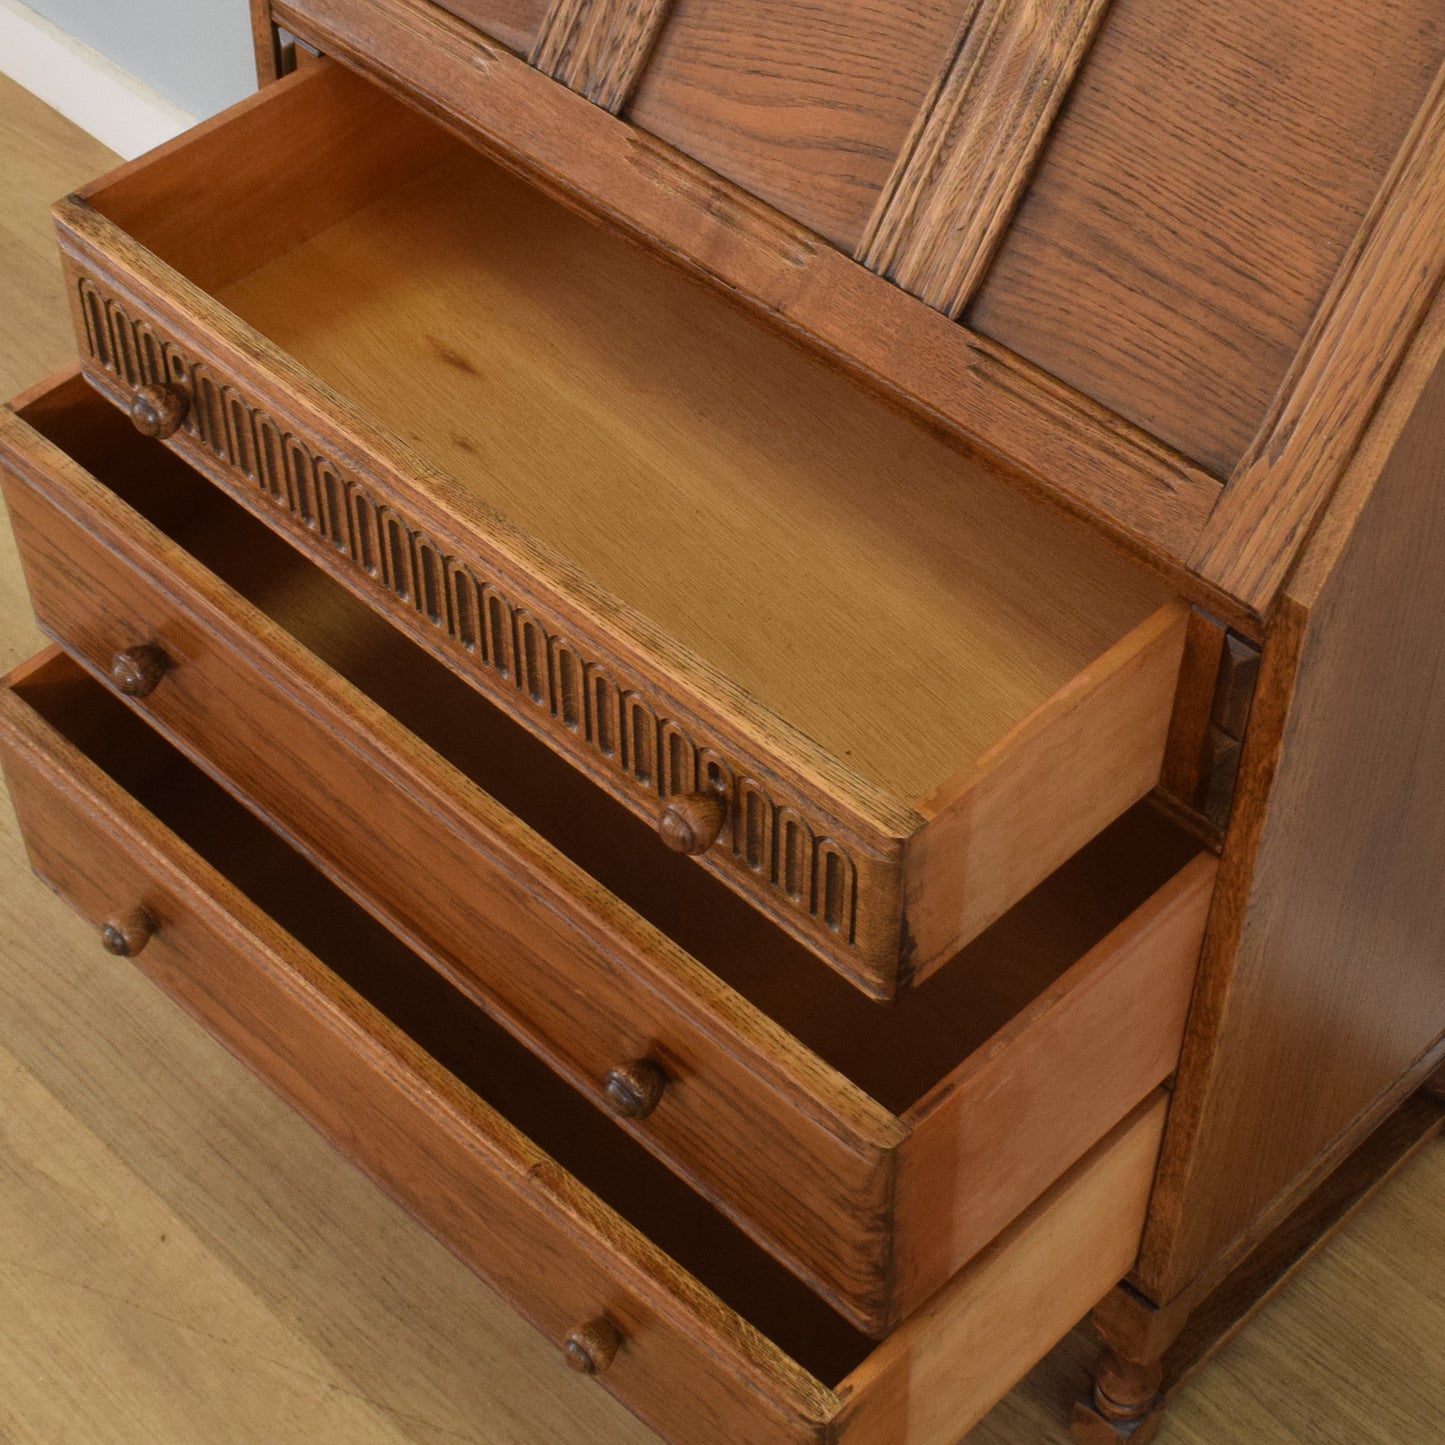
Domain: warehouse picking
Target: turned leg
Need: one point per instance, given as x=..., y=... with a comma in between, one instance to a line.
x=1126, y=1391
x=1125, y=1400
x=1151, y=1352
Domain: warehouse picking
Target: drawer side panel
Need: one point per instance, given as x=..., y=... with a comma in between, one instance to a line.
x=1035, y=1099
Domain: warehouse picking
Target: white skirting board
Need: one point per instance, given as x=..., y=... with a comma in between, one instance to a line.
x=116, y=108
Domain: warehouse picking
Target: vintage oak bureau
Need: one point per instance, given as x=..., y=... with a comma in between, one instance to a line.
x=782, y=661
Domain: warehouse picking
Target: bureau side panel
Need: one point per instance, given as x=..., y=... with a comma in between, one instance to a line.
x=1334, y=1002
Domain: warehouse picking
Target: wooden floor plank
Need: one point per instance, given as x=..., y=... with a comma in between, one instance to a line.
x=183, y=1263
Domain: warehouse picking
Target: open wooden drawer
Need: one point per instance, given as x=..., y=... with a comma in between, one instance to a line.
x=876, y=689
x=873, y=1150
x=589, y=1237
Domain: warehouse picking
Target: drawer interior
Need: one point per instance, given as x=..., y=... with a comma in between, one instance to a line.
x=897, y=1054
x=889, y=596
x=451, y=1029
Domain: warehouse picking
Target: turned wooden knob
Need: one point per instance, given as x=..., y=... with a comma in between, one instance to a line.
x=126, y=934
x=691, y=823
x=590, y=1348
x=158, y=411
x=634, y=1090
x=137, y=671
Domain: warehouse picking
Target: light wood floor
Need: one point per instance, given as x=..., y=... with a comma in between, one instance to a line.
x=182, y=1262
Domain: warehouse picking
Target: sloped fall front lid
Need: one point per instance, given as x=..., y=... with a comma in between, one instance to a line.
x=1168, y=253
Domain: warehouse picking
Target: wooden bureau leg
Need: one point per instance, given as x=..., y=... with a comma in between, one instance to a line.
x=1150, y=1354
x=1127, y=1398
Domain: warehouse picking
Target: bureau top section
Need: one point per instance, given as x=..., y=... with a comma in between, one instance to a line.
x=1161, y=258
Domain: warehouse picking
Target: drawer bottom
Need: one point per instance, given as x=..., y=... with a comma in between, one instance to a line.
x=635, y=1276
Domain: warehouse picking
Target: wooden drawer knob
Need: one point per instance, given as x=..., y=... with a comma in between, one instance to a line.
x=634, y=1090
x=691, y=823
x=126, y=934
x=158, y=411
x=137, y=671
x=590, y=1348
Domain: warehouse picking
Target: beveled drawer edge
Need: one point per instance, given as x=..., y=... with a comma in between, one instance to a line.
x=864, y=852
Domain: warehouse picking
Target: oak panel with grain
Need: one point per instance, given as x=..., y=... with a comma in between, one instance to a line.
x=688, y=1363
x=572, y=969
x=697, y=473
x=805, y=107
x=1345, y=364
x=1201, y=190
x=1061, y=443
x=516, y=23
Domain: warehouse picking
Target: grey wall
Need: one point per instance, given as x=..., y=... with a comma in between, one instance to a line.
x=197, y=53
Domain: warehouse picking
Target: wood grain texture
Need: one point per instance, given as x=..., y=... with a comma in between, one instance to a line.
x=1194, y=708
x=1321, y=992
x=181, y=1263
x=490, y=1193
x=516, y=23
x=507, y=1208
x=1196, y=200
x=911, y=1388
x=1352, y=350
x=232, y=202
x=772, y=465
x=1034, y=1094
x=805, y=106
x=600, y=47
x=790, y=1149
x=1059, y=441
x=1033, y=799
x=1179, y=1343
x=266, y=43
x=952, y=193
x=574, y=972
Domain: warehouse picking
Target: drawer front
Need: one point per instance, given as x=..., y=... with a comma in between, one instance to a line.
x=567, y=967
x=685, y=1362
